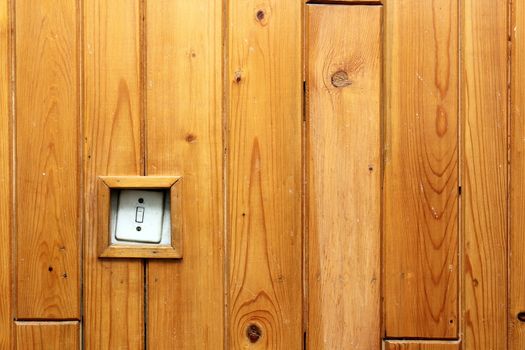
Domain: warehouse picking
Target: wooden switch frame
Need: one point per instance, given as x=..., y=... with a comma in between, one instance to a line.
x=148, y=251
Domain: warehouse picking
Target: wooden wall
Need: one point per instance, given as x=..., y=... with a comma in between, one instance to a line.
x=353, y=172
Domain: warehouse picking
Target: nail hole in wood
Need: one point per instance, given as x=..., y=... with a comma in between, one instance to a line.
x=340, y=79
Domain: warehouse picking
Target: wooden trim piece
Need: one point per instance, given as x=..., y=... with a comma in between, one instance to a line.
x=47, y=148
x=421, y=178
x=517, y=178
x=106, y=249
x=184, y=136
x=344, y=69
x=6, y=313
x=149, y=182
x=47, y=335
x=345, y=2
x=113, y=288
x=264, y=168
x=421, y=345
x=484, y=106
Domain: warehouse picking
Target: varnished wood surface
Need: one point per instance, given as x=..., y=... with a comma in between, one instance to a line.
x=47, y=160
x=212, y=91
x=421, y=231
x=344, y=176
x=485, y=183
x=6, y=315
x=184, y=137
x=415, y=345
x=264, y=175
x=517, y=176
x=113, y=289
x=47, y=335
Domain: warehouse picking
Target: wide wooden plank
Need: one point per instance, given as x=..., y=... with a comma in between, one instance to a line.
x=47, y=335
x=344, y=176
x=184, y=137
x=113, y=289
x=485, y=183
x=264, y=175
x=517, y=176
x=415, y=345
x=47, y=160
x=421, y=169
x=6, y=313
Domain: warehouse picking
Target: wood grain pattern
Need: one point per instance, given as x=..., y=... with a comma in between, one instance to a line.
x=113, y=290
x=47, y=335
x=421, y=169
x=47, y=160
x=184, y=137
x=414, y=345
x=344, y=176
x=6, y=312
x=264, y=175
x=517, y=176
x=484, y=104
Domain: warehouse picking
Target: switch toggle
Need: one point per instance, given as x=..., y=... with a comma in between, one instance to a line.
x=139, y=215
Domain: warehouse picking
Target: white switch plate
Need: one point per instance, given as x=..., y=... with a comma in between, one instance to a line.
x=139, y=216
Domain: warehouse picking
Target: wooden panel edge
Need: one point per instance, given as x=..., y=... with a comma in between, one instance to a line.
x=139, y=181
x=6, y=246
x=47, y=335
x=421, y=345
x=176, y=216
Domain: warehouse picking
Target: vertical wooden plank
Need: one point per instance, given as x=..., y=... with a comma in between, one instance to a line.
x=484, y=103
x=344, y=176
x=184, y=137
x=47, y=335
x=391, y=345
x=421, y=169
x=264, y=174
x=47, y=160
x=113, y=289
x=6, y=314
x=517, y=176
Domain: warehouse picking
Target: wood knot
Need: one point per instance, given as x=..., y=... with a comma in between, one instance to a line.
x=260, y=15
x=253, y=332
x=521, y=316
x=340, y=79
x=237, y=77
x=190, y=138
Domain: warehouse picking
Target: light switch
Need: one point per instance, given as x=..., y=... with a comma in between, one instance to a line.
x=139, y=216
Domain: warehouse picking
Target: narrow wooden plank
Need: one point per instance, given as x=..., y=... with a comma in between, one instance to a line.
x=47, y=335
x=113, y=289
x=344, y=176
x=6, y=313
x=184, y=137
x=517, y=174
x=485, y=183
x=414, y=345
x=264, y=175
x=47, y=160
x=421, y=169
